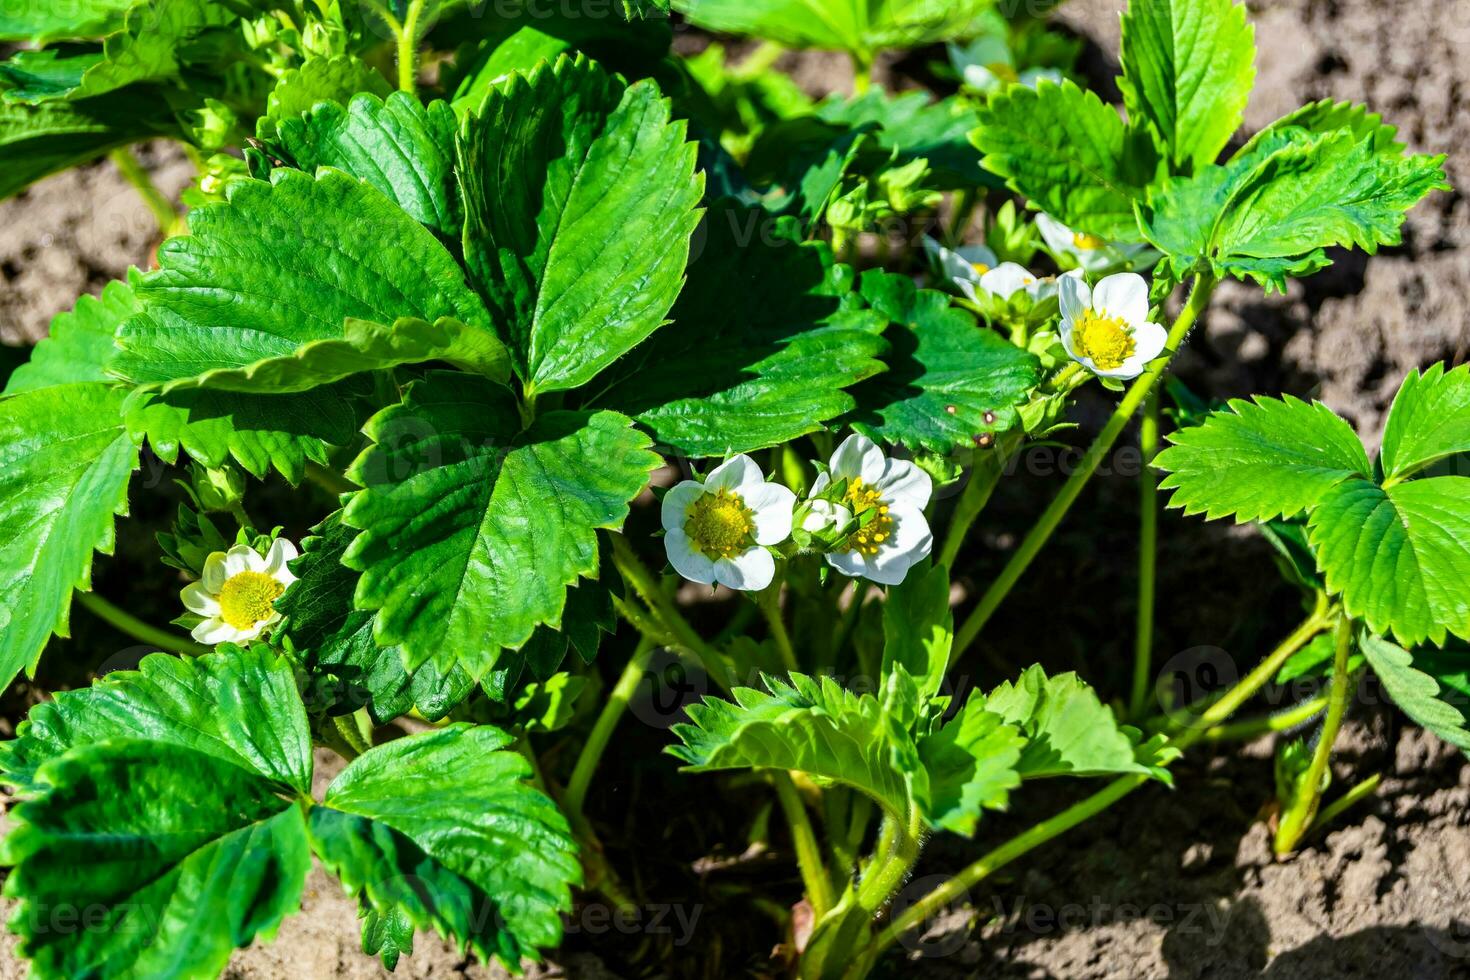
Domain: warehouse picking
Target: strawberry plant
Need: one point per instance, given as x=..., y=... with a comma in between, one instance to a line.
x=547, y=344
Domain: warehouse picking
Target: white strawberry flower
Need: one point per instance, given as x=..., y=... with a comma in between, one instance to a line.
x=236, y=595
x=717, y=531
x=897, y=536
x=1106, y=328
x=963, y=266
x=1090, y=252
x=1008, y=279
x=987, y=64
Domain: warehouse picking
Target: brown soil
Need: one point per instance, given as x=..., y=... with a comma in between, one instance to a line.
x=1168, y=884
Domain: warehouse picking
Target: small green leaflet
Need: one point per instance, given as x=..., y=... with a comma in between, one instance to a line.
x=472, y=528
x=971, y=764
x=79, y=344
x=913, y=126
x=762, y=347
x=232, y=291
x=1067, y=151
x=862, y=27
x=1188, y=69
x=1417, y=692
x=581, y=198
x=319, y=79
x=948, y=381
x=1430, y=420
x=65, y=461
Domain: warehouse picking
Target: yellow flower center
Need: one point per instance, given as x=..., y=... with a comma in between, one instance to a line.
x=980, y=268
x=248, y=599
x=1004, y=72
x=861, y=499
x=1107, y=340
x=720, y=525
x=1088, y=243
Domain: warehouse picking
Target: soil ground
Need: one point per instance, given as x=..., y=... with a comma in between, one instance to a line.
x=1176, y=885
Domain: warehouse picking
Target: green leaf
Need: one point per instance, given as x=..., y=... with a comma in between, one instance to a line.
x=239, y=707
x=971, y=764
x=1321, y=118
x=763, y=344
x=1066, y=150
x=863, y=27
x=319, y=79
x=1430, y=420
x=1069, y=732
x=337, y=640
x=1399, y=556
x=387, y=936
x=809, y=725
x=257, y=431
x=1417, y=693
x=914, y=126
x=1261, y=460
x=918, y=629
x=472, y=528
x=233, y=292
x=65, y=462
x=158, y=40
x=36, y=141
x=187, y=857
x=444, y=829
x=1188, y=68
x=42, y=23
x=948, y=381
x=581, y=199
x=37, y=76
x=363, y=347
x=79, y=345
x=398, y=145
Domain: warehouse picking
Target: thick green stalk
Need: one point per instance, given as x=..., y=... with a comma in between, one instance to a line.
x=804, y=839
x=134, y=173
x=769, y=601
x=1295, y=821
x=607, y=722
x=1046, y=525
x=408, y=44
x=898, y=848
x=1148, y=556
x=132, y=626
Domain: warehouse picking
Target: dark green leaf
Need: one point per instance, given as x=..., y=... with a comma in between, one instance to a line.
x=1430, y=420
x=79, y=345
x=1417, y=693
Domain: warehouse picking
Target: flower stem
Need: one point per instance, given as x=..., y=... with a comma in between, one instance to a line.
x=1296, y=820
x=131, y=625
x=1042, y=531
x=134, y=173
x=769, y=601
x=1282, y=721
x=607, y=721
x=1148, y=549
x=808, y=854
x=983, y=479
x=898, y=848
x=408, y=43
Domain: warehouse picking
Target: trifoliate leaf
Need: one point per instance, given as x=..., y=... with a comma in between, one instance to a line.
x=1399, y=555
x=948, y=380
x=1069, y=732
x=398, y=145
x=971, y=763
x=240, y=707
x=1066, y=150
x=809, y=725
x=863, y=27
x=762, y=345
x=336, y=640
x=1430, y=420
x=1188, y=68
x=363, y=347
x=39, y=140
x=444, y=829
x=319, y=79
x=79, y=345
x=1264, y=459
x=42, y=23
x=1418, y=694
x=472, y=528
x=65, y=461
x=232, y=292
x=581, y=198
x=187, y=857
x=913, y=126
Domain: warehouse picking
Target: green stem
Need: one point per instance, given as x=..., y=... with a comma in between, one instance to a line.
x=1199, y=297
x=131, y=625
x=1282, y=721
x=330, y=480
x=808, y=854
x=898, y=849
x=1299, y=816
x=408, y=43
x=134, y=173
x=642, y=580
x=1348, y=799
x=862, y=74
x=964, y=212
x=977, y=493
x=758, y=61
x=851, y=614
x=1017, y=846
x=769, y=601
x=607, y=722
x=1148, y=555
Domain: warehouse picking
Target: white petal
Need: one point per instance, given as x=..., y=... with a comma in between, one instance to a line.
x=910, y=543
x=735, y=472
x=951, y=264
x=822, y=482
x=977, y=255
x=772, y=505
x=213, y=632
x=676, y=504
x=214, y=575
x=749, y=571
x=857, y=457
x=242, y=558
x=849, y=563
x=904, y=483
x=1006, y=280
x=1031, y=76
x=824, y=514
x=1123, y=295
x=1150, y=339
x=281, y=553
x=1058, y=237
x=980, y=78
x=1076, y=297
x=691, y=564
x=967, y=289
x=198, y=600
